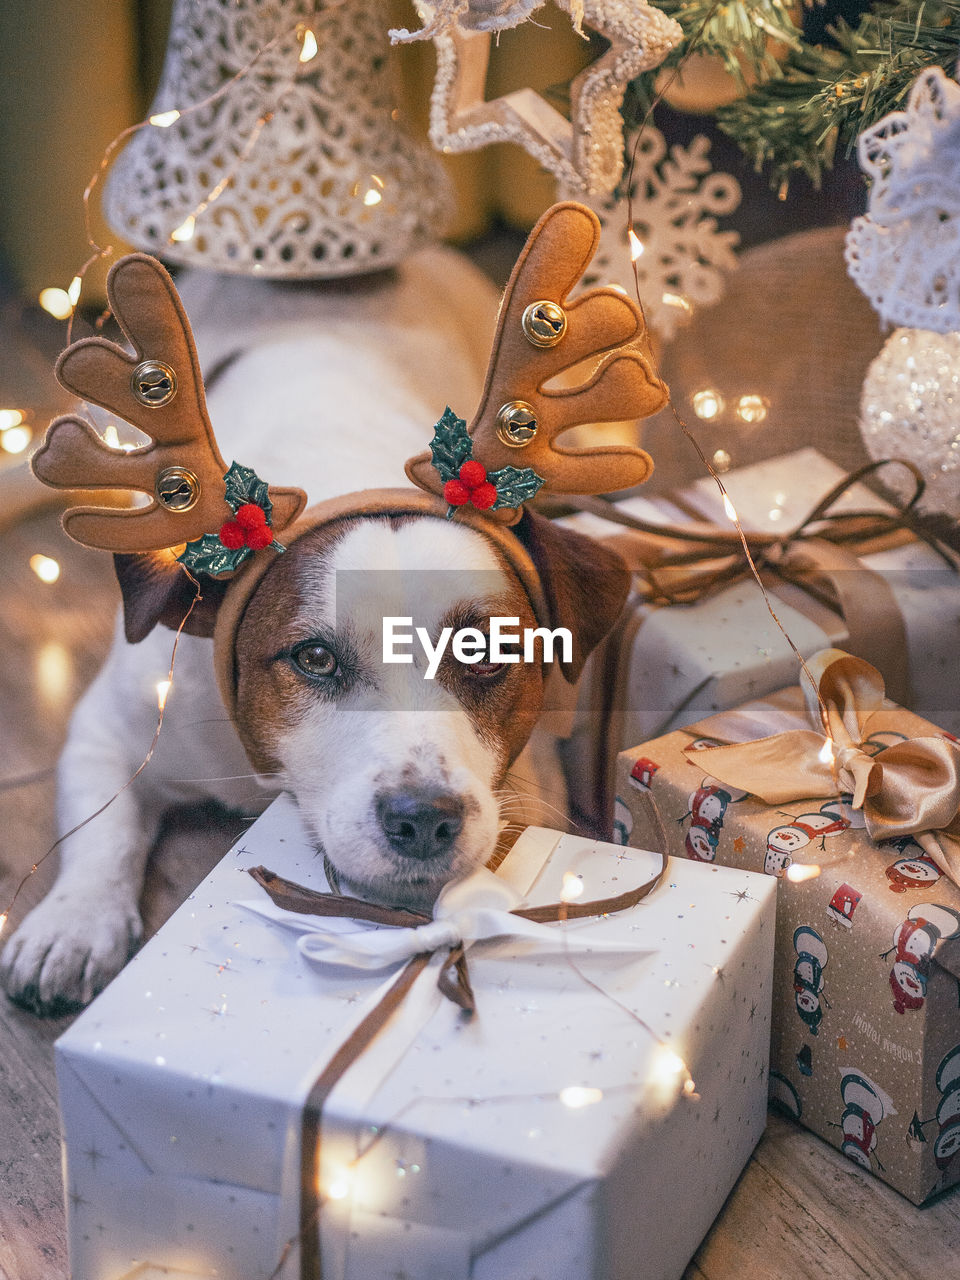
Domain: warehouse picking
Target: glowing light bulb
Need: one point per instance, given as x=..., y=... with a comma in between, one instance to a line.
x=729, y=508
x=3, y=920
x=636, y=245
x=826, y=753
x=752, y=408
x=707, y=404
x=373, y=196
x=721, y=460
x=678, y=301
x=45, y=567
x=575, y=1096
x=185, y=230
x=54, y=669
x=572, y=886
x=15, y=439
x=57, y=303
x=164, y=119
x=10, y=418
x=339, y=1186
x=163, y=692
x=310, y=47
x=73, y=291
x=797, y=873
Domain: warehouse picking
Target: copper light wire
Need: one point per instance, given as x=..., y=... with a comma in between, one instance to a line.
x=728, y=503
x=198, y=596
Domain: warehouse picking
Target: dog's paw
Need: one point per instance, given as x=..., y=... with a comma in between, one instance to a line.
x=65, y=951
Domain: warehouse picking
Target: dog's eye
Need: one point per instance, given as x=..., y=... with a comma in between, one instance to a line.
x=315, y=659
x=484, y=670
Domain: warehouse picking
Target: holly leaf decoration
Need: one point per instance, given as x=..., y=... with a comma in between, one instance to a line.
x=244, y=485
x=209, y=555
x=514, y=485
x=451, y=446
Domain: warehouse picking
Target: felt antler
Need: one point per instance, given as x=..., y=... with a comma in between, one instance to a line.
x=539, y=336
x=159, y=389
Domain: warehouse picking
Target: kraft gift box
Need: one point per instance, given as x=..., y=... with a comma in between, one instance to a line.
x=866, y=1014
x=547, y=1135
x=669, y=666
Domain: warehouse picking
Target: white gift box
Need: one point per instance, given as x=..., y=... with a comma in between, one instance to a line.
x=548, y=1136
x=691, y=661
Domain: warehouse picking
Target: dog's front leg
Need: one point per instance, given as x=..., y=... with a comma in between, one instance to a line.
x=82, y=933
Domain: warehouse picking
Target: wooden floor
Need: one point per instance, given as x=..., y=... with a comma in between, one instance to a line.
x=799, y=1211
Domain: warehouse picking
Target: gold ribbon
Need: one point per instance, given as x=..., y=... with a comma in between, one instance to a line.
x=910, y=788
x=453, y=981
x=682, y=564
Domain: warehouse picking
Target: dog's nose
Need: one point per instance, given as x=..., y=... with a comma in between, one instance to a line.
x=420, y=824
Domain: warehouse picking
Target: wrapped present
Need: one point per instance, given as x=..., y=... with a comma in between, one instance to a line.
x=611, y=1059
x=852, y=802
x=842, y=569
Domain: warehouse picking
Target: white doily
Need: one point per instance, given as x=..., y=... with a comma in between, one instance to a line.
x=677, y=200
x=905, y=252
x=329, y=186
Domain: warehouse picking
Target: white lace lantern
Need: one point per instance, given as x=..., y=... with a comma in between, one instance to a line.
x=296, y=166
x=905, y=256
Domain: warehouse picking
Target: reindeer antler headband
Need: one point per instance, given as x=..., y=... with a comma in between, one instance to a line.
x=226, y=515
x=540, y=335
x=159, y=389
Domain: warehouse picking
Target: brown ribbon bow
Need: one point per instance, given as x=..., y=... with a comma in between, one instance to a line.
x=910, y=788
x=453, y=981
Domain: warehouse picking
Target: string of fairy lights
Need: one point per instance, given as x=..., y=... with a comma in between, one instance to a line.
x=16, y=434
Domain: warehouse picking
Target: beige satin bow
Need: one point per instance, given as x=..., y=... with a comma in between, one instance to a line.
x=910, y=788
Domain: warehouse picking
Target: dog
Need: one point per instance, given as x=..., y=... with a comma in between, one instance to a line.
x=401, y=781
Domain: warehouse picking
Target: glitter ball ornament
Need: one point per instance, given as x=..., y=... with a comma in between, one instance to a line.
x=910, y=408
x=295, y=166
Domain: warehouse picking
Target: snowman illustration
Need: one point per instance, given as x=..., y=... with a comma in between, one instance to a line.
x=783, y=1096
x=843, y=904
x=947, y=1143
x=641, y=775
x=706, y=811
x=784, y=841
x=911, y=870
x=914, y=941
x=622, y=822
x=808, y=976
x=865, y=1106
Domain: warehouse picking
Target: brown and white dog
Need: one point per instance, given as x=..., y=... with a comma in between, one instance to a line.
x=399, y=779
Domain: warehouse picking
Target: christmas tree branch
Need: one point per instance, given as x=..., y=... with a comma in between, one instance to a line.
x=810, y=100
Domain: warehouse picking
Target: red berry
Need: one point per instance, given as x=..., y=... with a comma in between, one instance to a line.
x=483, y=496
x=456, y=493
x=472, y=474
x=231, y=535
x=250, y=516
x=259, y=537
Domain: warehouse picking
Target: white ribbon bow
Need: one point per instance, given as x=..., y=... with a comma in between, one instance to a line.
x=473, y=909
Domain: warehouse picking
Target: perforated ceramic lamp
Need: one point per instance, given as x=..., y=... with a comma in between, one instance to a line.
x=310, y=174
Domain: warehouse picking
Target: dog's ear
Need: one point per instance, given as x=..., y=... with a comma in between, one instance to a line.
x=585, y=583
x=157, y=591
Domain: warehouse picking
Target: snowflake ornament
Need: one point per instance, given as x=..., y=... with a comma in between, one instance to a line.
x=683, y=256
x=904, y=254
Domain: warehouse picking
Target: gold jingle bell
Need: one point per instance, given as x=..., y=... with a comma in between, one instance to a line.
x=544, y=323
x=177, y=489
x=154, y=383
x=516, y=423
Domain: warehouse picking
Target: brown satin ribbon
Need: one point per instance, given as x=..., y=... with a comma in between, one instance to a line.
x=682, y=564
x=909, y=788
x=453, y=981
